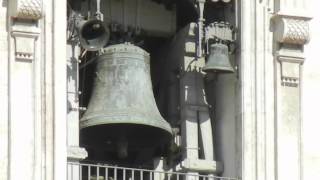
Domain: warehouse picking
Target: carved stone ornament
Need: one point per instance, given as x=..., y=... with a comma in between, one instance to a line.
x=24, y=41
x=290, y=63
x=291, y=30
x=76, y=153
x=26, y=9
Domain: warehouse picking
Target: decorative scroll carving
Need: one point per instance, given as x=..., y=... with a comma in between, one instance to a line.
x=292, y=33
x=76, y=153
x=292, y=30
x=26, y=9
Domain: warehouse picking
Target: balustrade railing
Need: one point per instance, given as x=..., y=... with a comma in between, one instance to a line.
x=81, y=171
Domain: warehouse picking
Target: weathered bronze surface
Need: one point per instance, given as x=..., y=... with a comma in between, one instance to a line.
x=218, y=60
x=93, y=34
x=122, y=114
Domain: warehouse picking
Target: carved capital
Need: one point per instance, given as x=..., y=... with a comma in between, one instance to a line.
x=290, y=63
x=24, y=41
x=291, y=30
x=26, y=9
x=291, y=33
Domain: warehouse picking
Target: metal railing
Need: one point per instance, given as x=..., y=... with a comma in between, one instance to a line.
x=80, y=171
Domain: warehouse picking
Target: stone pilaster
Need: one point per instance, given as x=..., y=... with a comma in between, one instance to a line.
x=75, y=153
x=25, y=110
x=3, y=91
x=256, y=95
x=36, y=90
x=291, y=33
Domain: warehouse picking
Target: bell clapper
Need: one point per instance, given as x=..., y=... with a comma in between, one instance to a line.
x=122, y=147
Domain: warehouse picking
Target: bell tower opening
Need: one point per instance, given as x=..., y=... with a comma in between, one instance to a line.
x=156, y=79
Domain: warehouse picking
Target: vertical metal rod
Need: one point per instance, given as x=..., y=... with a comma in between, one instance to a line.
x=124, y=14
x=89, y=172
x=124, y=174
x=110, y=10
x=97, y=172
x=137, y=14
x=106, y=174
x=115, y=174
x=200, y=26
x=80, y=172
x=98, y=6
x=236, y=4
x=150, y=175
x=141, y=175
x=178, y=177
x=132, y=174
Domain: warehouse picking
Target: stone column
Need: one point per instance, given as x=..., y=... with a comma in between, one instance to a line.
x=256, y=95
x=25, y=110
x=291, y=33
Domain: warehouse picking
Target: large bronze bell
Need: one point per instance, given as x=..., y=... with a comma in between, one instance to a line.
x=218, y=60
x=122, y=114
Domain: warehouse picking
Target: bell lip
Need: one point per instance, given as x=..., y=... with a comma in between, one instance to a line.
x=104, y=120
x=154, y=137
x=218, y=70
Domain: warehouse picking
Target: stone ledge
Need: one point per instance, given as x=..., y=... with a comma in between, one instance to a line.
x=76, y=153
x=200, y=165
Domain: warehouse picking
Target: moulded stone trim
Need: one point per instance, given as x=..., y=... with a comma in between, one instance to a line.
x=24, y=43
x=290, y=67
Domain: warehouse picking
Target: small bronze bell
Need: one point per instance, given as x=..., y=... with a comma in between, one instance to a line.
x=93, y=34
x=218, y=60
